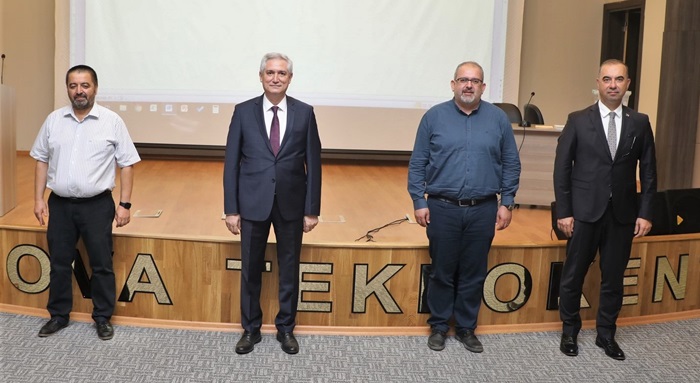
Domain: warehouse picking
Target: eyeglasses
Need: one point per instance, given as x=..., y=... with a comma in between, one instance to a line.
x=464, y=80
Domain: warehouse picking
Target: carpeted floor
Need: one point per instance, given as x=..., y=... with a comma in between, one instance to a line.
x=667, y=352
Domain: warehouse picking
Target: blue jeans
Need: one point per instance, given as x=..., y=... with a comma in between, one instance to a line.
x=460, y=240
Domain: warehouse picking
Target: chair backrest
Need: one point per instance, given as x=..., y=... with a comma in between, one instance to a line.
x=512, y=111
x=533, y=115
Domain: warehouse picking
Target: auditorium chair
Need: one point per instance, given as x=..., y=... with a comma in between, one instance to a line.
x=512, y=111
x=533, y=115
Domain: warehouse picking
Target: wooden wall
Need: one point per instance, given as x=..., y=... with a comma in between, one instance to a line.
x=679, y=95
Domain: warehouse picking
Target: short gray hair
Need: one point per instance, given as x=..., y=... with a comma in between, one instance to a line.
x=471, y=63
x=275, y=55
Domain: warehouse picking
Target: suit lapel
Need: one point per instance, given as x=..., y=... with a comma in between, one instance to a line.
x=627, y=132
x=260, y=119
x=291, y=107
x=597, y=123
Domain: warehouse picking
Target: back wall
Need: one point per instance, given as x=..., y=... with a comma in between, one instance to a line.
x=559, y=57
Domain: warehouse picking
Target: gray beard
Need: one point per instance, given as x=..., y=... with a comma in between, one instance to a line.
x=81, y=105
x=467, y=99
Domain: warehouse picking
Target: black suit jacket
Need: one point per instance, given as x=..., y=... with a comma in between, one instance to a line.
x=585, y=174
x=252, y=173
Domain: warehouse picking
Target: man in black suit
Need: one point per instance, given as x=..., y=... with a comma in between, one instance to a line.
x=272, y=176
x=595, y=188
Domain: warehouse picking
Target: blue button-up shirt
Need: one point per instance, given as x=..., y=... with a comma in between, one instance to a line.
x=462, y=156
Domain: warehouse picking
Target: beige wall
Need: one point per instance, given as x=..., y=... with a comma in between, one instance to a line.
x=27, y=39
x=2, y=24
x=561, y=53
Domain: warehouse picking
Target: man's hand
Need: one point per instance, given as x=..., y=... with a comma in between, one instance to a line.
x=41, y=211
x=503, y=218
x=310, y=221
x=422, y=216
x=233, y=223
x=122, y=216
x=566, y=225
x=641, y=227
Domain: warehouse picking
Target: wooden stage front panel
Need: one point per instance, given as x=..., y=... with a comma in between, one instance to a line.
x=193, y=278
x=354, y=285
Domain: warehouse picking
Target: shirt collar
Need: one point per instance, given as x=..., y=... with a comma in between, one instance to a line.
x=94, y=112
x=604, y=111
x=267, y=104
x=476, y=110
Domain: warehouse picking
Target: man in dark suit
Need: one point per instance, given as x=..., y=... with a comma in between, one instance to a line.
x=272, y=176
x=597, y=206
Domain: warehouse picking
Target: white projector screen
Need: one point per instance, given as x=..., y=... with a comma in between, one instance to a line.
x=175, y=69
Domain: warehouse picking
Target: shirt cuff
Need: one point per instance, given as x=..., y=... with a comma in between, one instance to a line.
x=507, y=200
x=420, y=203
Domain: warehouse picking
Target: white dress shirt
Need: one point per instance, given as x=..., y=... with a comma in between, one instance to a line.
x=82, y=155
x=281, y=115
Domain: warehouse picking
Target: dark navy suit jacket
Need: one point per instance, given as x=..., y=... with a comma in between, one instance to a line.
x=585, y=174
x=253, y=175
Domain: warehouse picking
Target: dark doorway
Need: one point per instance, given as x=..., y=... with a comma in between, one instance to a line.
x=623, y=25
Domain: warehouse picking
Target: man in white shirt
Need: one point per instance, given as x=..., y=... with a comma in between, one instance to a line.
x=77, y=151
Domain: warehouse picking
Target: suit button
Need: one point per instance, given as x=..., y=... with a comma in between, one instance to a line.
x=273, y=180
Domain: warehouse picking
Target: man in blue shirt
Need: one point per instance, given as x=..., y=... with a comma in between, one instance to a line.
x=464, y=156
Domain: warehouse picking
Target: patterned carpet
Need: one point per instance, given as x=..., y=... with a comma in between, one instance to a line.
x=666, y=352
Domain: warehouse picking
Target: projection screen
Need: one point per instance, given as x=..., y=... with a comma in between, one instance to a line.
x=175, y=69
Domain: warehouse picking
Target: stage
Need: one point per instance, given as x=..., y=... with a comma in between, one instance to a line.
x=181, y=268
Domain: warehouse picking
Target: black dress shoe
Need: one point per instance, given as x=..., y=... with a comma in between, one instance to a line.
x=247, y=342
x=288, y=341
x=611, y=348
x=469, y=340
x=436, y=340
x=51, y=327
x=568, y=345
x=105, y=331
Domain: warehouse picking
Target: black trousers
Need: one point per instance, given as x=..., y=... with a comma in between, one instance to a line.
x=254, y=235
x=614, y=241
x=89, y=219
